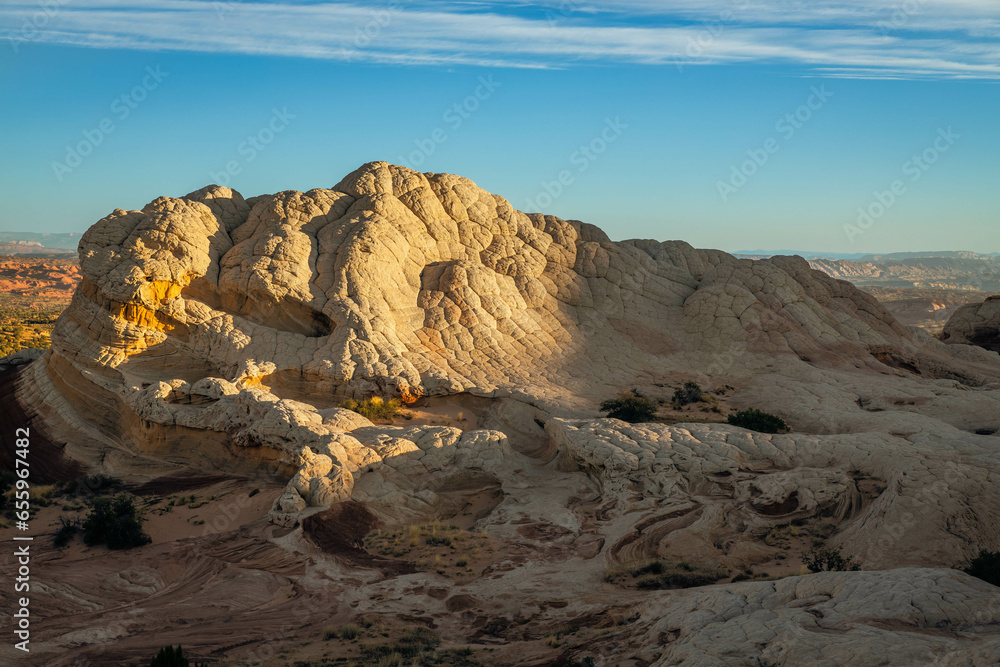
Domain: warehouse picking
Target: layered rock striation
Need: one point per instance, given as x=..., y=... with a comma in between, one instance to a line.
x=216, y=332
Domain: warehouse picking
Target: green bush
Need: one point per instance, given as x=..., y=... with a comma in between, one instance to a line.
x=115, y=522
x=690, y=393
x=986, y=566
x=828, y=560
x=376, y=407
x=757, y=420
x=630, y=406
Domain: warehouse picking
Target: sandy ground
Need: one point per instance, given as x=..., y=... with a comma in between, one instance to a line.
x=462, y=411
x=492, y=579
x=53, y=279
x=226, y=584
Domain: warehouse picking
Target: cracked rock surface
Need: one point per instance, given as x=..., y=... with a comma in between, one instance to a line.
x=219, y=333
x=976, y=324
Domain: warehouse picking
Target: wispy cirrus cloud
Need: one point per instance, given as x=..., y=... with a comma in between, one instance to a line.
x=954, y=39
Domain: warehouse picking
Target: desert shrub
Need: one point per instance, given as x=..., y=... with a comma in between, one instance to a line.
x=757, y=420
x=7, y=479
x=90, y=485
x=676, y=580
x=630, y=406
x=376, y=407
x=828, y=560
x=41, y=496
x=749, y=575
x=435, y=541
x=67, y=531
x=689, y=393
x=655, y=567
x=711, y=404
x=411, y=644
x=986, y=566
x=661, y=574
x=115, y=522
x=420, y=636
x=170, y=657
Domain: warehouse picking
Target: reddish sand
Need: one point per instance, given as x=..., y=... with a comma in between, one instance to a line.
x=54, y=279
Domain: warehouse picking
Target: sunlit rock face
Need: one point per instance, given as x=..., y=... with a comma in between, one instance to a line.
x=216, y=333
x=428, y=285
x=225, y=331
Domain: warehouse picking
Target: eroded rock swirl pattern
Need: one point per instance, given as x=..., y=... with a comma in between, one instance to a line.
x=213, y=332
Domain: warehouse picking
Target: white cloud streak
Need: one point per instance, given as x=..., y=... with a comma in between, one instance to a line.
x=907, y=39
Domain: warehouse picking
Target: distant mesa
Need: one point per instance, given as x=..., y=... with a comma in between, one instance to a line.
x=869, y=257
x=34, y=244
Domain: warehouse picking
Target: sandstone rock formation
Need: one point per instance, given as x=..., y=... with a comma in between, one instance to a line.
x=923, y=290
x=20, y=358
x=976, y=324
x=216, y=332
x=51, y=280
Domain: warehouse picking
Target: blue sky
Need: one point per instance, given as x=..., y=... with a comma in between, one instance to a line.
x=836, y=126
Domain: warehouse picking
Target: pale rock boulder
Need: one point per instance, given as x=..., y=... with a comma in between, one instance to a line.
x=741, y=484
x=224, y=332
x=221, y=333
x=287, y=507
x=424, y=284
x=975, y=324
x=900, y=617
x=20, y=358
